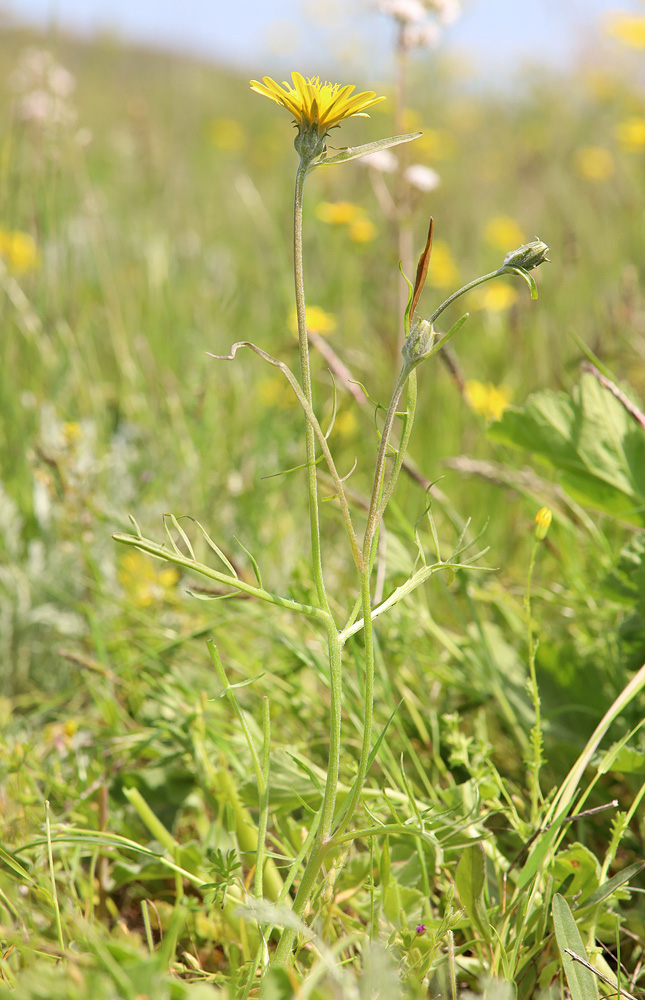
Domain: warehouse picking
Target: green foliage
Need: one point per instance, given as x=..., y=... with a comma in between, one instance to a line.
x=580, y=978
x=590, y=439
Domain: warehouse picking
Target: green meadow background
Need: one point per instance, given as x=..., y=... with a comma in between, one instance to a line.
x=145, y=220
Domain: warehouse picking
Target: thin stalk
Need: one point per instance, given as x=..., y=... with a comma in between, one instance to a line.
x=368, y=701
x=305, y=371
x=377, y=489
x=335, y=664
x=462, y=291
x=263, y=796
x=305, y=891
x=536, y=733
x=411, y=405
x=52, y=877
x=402, y=194
x=321, y=842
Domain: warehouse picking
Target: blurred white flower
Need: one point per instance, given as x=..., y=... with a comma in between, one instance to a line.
x=38, y=68
x=420, y=20
x=406, y=11
x=382, y=160
x=44, y=108
x=44, y=89
x=421, y=36
x=421, y=177
x=447, y=11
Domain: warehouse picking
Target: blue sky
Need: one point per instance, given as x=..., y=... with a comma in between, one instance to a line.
x=493, y=37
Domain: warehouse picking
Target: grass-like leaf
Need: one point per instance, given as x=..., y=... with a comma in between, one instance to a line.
x=582, y=982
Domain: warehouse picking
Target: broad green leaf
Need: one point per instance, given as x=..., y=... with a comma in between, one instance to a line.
x=628, y=760
x=577, y=860
x=353, y=152
x=590, y=439
x=582, y=982
x=470, y=879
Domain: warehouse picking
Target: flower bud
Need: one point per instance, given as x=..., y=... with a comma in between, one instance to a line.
x=542, y=522
x=419, y=343
x=528, y=256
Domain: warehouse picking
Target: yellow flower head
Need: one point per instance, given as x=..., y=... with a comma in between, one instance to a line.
x=594, y=163
x=314, y=104
x=338, y=213
x=542, y=523
x=631, y=134
x=443, y=272
x=19, y=250
x=628, y=29
x=488, y=400
x=502, y=232
x=495, y=298
x=362, y=230
x=318, y=321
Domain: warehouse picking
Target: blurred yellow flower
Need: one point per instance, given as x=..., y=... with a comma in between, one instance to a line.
x=19, y=250
x=337, y=213
x=318, y=321
x=144, y=583
x=277, y=392
x=602, y=85
x=312, y=103
x=628, y=29
x=226, y=133
x=436, y=144
x=61, y=734
x=73, y=432
x=345, y=423
x=594, y=163
x=497, y=296
x=443, y=271
x=362, y=230
x=346, y=213
x=494, y=297
x=504, y=233
x=631, y=134
x=488, y=400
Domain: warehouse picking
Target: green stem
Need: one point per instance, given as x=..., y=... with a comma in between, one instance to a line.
x=321, y=842
x=462, y=291
x=236, y=584
x=305, y=370
x=305, y=890
x=349, y=808
x=536, y=734
x=378, y=502
x=411, y=405
x=377, y=489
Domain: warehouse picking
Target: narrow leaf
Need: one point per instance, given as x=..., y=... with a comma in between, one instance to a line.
x=254, y=564
x=605, y=890
x=216, y=549
x=470, y=879
x=528, y=278
x=422, y=269
x=581, y=981
x=184, y=536
x=353, y=152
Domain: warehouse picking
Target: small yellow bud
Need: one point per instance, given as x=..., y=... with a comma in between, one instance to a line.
x=542, y=522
